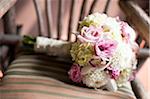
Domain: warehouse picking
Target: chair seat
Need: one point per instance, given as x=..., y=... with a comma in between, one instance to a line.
x=44, y=77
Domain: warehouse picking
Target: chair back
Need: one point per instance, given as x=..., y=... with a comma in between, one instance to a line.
x=63, y=16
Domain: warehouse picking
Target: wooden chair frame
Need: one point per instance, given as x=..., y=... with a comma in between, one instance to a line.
x=9, y=39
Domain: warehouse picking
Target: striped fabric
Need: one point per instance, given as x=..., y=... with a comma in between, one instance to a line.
x=44, y=77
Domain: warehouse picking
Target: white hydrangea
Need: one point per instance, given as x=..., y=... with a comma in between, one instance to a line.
x=95, y=19
x=123, y=57
x=87, y=69
x=95, y=79
x=124, y=77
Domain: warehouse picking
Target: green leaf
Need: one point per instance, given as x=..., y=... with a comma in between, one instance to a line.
x=28, y=40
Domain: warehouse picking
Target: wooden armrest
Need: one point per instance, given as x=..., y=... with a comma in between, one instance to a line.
x=3, y=58
x=143, y=53
x=137, y=17
x=139, y=89
x=7, y=39
x=5, y=42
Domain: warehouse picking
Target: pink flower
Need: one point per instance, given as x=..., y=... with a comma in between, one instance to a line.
x=105, y=48
x=75, y=73
x=90, y=34
x=127, y=32
x=114, y=72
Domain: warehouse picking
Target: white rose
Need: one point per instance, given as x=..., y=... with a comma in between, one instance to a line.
x=112, y=27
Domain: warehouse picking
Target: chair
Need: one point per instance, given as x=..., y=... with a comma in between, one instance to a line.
x=36, y=75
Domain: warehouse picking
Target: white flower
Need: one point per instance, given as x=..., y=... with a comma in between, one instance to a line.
x=95, y=19
x=111, y=26
x=95, y=79
x=127, y=32
x=87, y=69
x=124, y=76
x=122, y=57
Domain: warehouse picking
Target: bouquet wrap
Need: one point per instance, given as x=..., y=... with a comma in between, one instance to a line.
x=52, y=47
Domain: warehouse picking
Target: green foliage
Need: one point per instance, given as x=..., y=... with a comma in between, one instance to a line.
x=29, y=41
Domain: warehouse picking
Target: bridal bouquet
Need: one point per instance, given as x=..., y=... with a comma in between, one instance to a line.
x=104, y=54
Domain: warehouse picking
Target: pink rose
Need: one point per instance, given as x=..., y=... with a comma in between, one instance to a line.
x=90, y=34
x=128, y=34
x=105, y=48
x=75, y=73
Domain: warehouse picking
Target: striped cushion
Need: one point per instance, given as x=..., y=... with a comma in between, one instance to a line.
x=43, y=77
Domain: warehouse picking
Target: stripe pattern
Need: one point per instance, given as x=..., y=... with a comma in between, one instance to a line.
x=44, y=77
